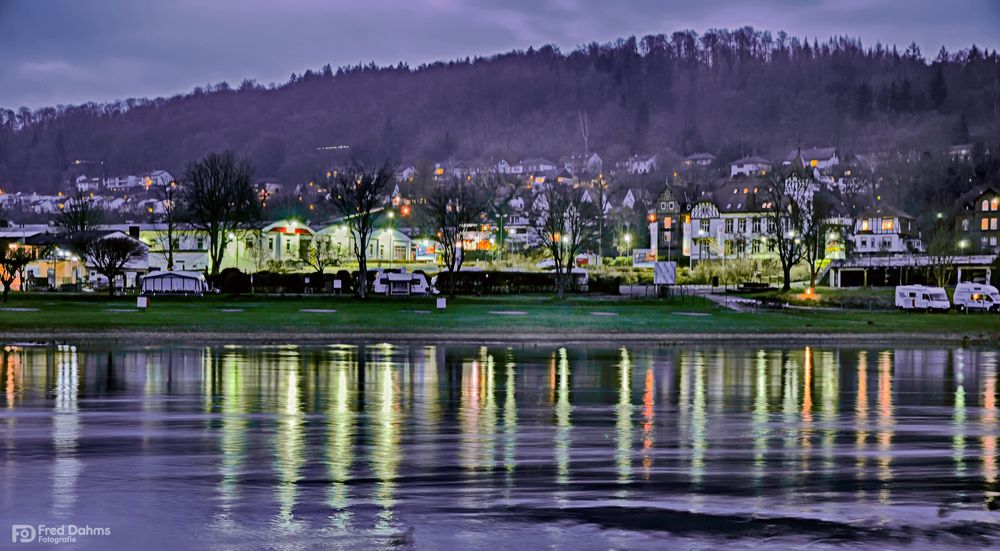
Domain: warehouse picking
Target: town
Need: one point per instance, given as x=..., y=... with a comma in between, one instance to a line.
x=815, y=217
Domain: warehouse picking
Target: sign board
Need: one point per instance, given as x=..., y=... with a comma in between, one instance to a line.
x=142, y=303
x=337, y=284
x=665, y=273
x=442, y=303
x=643, y=258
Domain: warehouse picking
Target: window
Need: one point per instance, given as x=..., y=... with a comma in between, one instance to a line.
x=986, y=205
x=756, y=225
x=984, y=224
x=888, y=224
x=201, y=243
x=866, y=225
x=703, y=225
x=965, y=225
x=270, y=244
x=671, y=205
x=729, y=225
x=288, y=246
x=993, y=223
x=755, y=248
x=668, y=222
x=995, y=203
x=743, y=225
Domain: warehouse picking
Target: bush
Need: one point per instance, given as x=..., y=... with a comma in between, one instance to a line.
x=498, y=283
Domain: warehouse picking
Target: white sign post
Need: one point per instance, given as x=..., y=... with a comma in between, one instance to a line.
x=665, y=273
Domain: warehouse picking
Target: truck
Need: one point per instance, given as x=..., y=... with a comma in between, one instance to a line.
x=921, y=297
x=980, y=297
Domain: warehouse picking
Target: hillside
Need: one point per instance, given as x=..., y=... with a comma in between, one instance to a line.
x=729, y=92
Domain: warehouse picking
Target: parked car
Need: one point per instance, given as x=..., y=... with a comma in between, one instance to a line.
x=921, y=297
x=976, y=296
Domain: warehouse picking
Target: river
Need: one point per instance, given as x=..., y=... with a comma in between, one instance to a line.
x=497, y=447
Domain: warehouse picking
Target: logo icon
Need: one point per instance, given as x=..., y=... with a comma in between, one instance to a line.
x=22, y=533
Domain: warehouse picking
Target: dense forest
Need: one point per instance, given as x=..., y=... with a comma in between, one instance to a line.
x=730, y=92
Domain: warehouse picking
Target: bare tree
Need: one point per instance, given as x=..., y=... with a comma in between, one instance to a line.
x=357, y=192
x=451, y=207
x=584, y=120
x=79, y=213
x=564, y=223
x=785, y=220
x=14, y=257
x=320, y=256
x=815, y=226
x=218, y=197
x=940, y=255
x=170, y=218
x=110, y=255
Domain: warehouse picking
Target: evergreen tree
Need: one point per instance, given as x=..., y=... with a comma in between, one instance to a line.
x=863, y=101
x=938, y=88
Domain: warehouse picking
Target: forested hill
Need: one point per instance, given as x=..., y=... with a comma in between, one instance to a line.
x=727, y=92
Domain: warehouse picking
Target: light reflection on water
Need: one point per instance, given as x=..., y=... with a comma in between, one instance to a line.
x=432, y=446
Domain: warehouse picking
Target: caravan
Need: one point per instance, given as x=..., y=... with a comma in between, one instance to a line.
x=920, y=297
x=976, y=296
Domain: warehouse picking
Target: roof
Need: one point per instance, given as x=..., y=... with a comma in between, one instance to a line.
x=741, y=196
x=176, y=273
x=751, y=160
x=700, y=157
x=969, y=197
x=817, y=153
x=883, y=209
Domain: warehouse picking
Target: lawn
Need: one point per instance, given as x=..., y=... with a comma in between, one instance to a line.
x=522, y=316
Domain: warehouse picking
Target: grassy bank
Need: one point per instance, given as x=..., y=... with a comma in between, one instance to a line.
x=499, y=316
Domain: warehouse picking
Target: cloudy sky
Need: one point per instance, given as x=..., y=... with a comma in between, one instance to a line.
x=70, y=51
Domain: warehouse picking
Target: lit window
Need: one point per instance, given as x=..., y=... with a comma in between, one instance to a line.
x=813, y=162
x=986, y=205
x=865, y=226
x=995, y=203
x=993, y=223
x=985, y=225
x=887, y=224
x=668, y=222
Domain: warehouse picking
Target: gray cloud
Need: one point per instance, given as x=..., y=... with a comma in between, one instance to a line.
x=65, y=51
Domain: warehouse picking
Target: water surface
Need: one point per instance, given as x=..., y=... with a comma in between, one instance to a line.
x=434, y=447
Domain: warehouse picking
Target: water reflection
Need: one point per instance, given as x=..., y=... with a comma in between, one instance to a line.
x=369, y=441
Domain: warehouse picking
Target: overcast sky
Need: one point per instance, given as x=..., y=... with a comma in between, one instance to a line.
x=71, y=51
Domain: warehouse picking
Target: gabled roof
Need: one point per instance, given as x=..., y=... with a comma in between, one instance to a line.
x=817, y=153
x=969, y=198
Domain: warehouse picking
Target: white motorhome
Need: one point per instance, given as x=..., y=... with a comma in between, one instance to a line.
x=976, y=296
x=921, y=297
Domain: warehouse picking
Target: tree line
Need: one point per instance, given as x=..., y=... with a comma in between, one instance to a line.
x=732, y=92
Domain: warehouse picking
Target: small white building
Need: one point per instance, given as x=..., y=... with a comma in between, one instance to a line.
x=639, y=164
x=749, y=166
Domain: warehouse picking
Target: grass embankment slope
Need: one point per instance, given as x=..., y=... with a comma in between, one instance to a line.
x=272, y=319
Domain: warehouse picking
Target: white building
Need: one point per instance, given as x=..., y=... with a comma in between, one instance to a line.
x=749, y=166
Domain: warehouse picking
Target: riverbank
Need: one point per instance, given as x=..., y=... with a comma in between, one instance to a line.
x=467, y=319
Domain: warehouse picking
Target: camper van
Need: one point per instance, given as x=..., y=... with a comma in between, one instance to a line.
x=920, y=297
x=976, y=296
